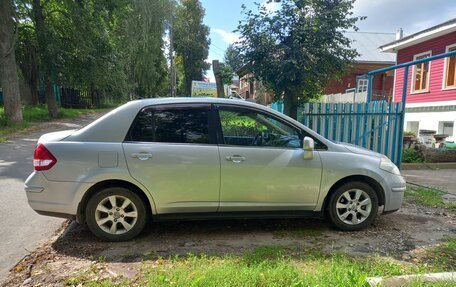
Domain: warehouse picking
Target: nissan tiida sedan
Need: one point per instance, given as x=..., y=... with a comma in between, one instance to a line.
x=205, y=158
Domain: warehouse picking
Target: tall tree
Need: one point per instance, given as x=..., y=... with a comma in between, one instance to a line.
x=47, y=57
x=8, y=72
x=297, y=49
x=232, y=58
x=191, y=42
x=146, y=66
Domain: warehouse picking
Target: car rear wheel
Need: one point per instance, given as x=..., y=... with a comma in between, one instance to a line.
x=116, y=214
x=353, y=206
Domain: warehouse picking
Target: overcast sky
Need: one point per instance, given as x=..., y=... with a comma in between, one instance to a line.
x=222, y=16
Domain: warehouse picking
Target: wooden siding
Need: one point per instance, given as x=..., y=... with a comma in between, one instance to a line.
x=382, y=82
x=436, y=92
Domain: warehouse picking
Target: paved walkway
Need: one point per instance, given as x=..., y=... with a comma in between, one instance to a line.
x=443, y=179
x=21, y=228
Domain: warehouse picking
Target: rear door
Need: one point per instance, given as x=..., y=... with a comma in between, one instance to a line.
x=171, y=150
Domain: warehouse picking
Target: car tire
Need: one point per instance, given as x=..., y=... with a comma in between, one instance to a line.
x=116, y=214
x=353, y=206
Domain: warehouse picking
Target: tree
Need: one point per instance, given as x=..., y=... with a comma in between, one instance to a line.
x=146, y=62
x=297, y=49
x=191, y=43
x=233, y=58
x=8, y=73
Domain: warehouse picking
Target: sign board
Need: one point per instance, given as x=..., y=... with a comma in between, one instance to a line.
x=204, y=89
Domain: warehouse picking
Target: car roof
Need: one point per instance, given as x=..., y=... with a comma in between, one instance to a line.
x=188, y=100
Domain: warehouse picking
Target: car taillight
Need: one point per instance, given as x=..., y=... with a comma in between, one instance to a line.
x=43, y=159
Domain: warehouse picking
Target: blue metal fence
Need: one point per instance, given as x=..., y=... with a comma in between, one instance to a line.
x=405, y=87
x=375, y=125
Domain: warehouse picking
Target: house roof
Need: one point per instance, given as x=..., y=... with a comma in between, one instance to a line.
x=421, y=36
x=367, y=43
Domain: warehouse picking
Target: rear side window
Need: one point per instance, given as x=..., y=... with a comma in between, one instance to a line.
x=173, y=125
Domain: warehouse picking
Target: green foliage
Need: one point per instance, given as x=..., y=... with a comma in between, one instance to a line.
x=143, y=43
x=409, y=133
x=411, y=155
x=298, y=49
x=191, y=43
x=232, y=58
x=428, y=197
x=226, y=73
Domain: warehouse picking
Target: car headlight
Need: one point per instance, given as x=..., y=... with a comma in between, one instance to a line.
x=387, y=165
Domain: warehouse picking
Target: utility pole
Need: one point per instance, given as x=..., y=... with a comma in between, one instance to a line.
x=172, y=67
x=218, y=79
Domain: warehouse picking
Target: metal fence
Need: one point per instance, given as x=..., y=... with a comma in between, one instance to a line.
x=72, y=98
x=375, y=125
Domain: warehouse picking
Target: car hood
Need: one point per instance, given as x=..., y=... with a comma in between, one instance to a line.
x=55, y=136
x=360, y=150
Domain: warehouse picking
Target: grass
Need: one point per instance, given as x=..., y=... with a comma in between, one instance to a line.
x=35, y=114
x=280, y=266
x=428, y=197
x=443, y=256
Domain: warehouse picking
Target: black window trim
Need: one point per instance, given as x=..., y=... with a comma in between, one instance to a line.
x=219, y=132
x=211, y=128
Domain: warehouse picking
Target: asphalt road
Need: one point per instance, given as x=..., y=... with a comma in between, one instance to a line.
x=21, y=229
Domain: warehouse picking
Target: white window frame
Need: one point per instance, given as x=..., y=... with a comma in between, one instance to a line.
x=445, y=67
x=366, y=85
x=412, y=82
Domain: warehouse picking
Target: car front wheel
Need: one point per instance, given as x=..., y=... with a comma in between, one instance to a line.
x=353, y=206
x=116, y=214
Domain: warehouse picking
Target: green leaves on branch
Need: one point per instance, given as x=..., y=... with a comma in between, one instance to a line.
x=296, y=50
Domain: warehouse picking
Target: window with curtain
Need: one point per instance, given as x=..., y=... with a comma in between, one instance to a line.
x=421, y=74
x=450, y=69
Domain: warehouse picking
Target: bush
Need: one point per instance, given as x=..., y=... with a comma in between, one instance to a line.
x=410, y=155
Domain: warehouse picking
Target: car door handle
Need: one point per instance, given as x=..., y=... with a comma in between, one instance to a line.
x=141, y=155
x=235, y=158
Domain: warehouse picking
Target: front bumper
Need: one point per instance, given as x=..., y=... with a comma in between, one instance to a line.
x=53, y=197
x=394, y=186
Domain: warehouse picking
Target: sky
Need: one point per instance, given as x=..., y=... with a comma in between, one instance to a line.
x=222, y=17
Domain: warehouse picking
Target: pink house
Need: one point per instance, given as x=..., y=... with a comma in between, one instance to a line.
x=431, y=91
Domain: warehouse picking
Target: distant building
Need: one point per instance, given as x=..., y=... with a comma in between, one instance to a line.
x=370, y=58
x=431, y=95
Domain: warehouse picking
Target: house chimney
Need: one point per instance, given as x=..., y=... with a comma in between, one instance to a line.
x=399, y=34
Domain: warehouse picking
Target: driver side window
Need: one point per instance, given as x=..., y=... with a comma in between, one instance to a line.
x=250, y=128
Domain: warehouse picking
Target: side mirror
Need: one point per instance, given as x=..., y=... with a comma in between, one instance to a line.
x=308, y=147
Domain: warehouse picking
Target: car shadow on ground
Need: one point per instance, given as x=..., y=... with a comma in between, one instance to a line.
x=214, y=237
x=391, y=235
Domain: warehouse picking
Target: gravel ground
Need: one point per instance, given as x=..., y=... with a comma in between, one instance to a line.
x=74, y=248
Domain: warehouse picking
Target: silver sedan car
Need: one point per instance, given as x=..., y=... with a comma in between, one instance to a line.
x=200, y=158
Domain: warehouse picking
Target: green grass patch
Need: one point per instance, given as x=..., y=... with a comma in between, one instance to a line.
x=428, y=197
x=34, y=114
x=272, y=266
x=443, y=256
x=278, y=266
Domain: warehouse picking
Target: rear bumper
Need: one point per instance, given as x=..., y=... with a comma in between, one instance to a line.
x=53, y=197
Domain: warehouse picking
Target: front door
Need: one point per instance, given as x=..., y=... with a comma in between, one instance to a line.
x=262, y=163
x=171, y=151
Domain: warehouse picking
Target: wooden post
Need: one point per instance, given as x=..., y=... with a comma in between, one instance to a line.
x=218, y=79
